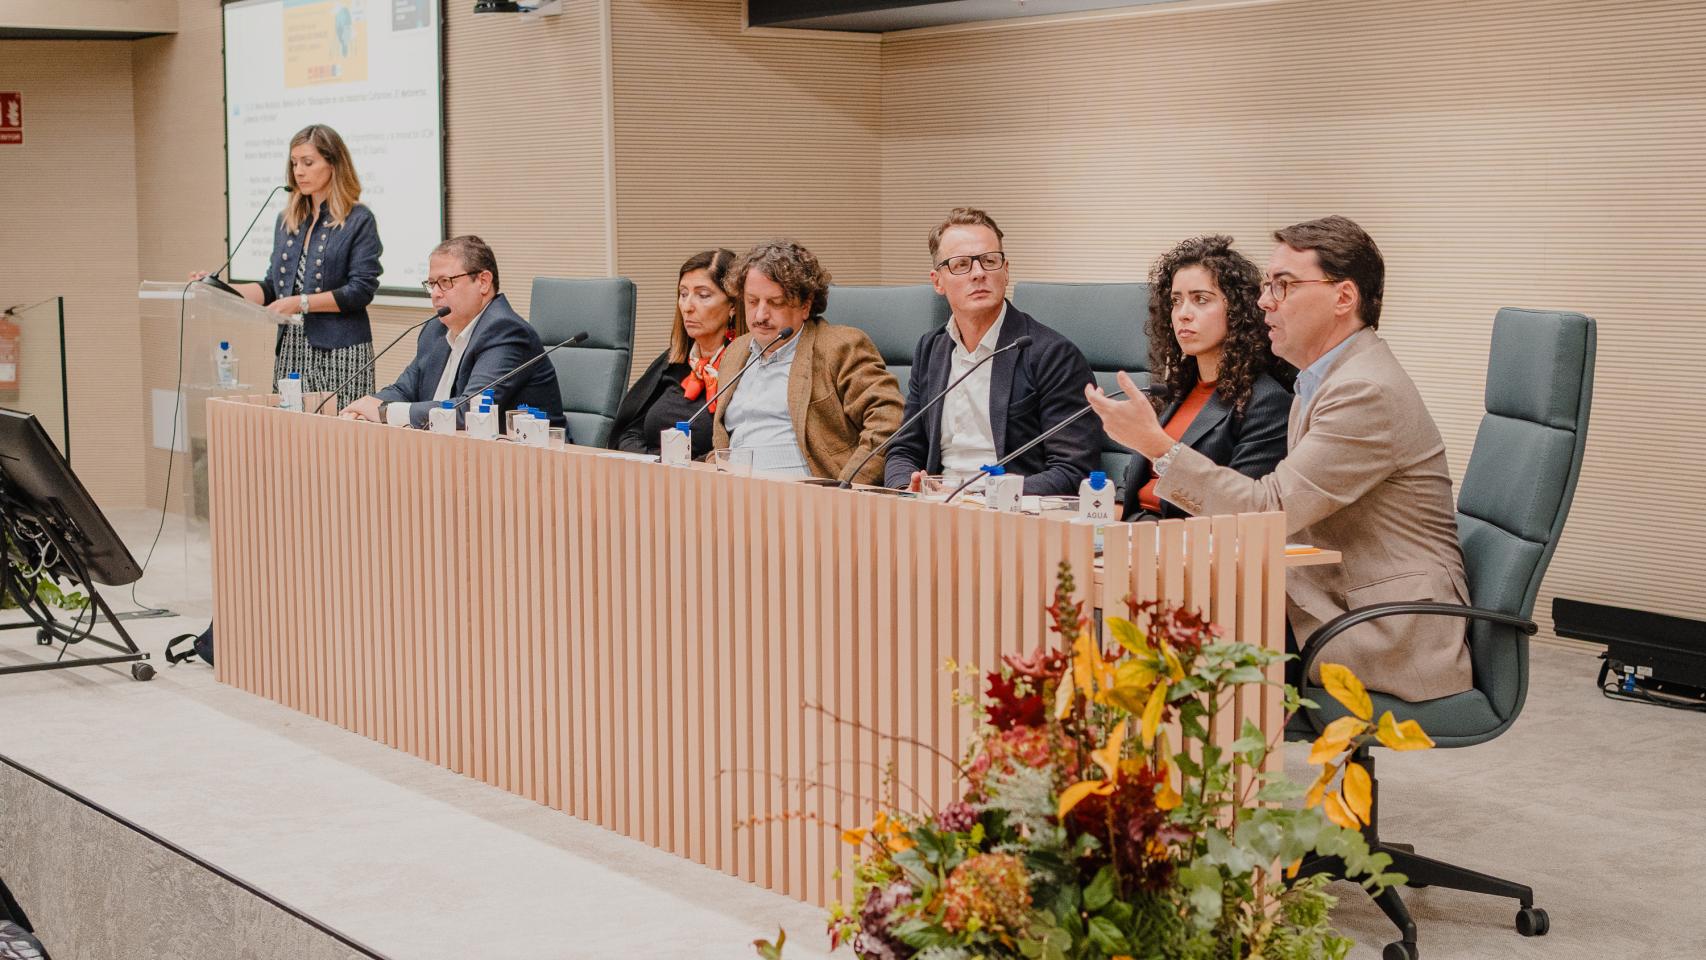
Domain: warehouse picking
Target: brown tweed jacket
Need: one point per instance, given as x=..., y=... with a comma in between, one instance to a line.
x=844, y=402
x=1364, y=474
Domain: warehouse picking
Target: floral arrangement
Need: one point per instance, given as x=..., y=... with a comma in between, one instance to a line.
x=1083, y=833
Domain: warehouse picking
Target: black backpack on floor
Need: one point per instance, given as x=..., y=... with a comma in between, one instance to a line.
x=186, y=645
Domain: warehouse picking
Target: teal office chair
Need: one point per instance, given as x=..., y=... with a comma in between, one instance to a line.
x=591, y=376
x=895, y=318
x=1106, y=321
x=1511, y=509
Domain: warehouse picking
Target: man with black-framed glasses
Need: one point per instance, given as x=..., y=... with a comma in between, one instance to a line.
x=481, y=339
x=1364, y=473
x=1004, y=403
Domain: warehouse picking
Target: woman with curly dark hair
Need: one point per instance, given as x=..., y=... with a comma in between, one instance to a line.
x=1209, y=346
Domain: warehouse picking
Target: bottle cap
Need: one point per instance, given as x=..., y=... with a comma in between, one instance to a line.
x=488, y=392
x=1098, y=479
x=685, y=426
x=224, y=344
x=293, y=375
x=995, y=470
x=446, y=405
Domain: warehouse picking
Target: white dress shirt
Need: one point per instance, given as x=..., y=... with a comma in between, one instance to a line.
x=968, y=437
x=458, y=346
x=757, y=417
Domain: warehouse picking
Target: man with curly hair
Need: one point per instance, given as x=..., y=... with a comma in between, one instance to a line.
x=1005, y=403
x=819, y=397
x=1364, y=473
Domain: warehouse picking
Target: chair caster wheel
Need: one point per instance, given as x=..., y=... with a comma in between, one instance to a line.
x=1400, y=950
x=44, y=639
x=1532, y=922
x=141, y=671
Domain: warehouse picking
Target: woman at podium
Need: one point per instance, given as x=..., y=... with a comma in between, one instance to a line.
x=683, y=378
x=323, y=271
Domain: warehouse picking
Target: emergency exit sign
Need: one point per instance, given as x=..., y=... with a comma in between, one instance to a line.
x=11, y=117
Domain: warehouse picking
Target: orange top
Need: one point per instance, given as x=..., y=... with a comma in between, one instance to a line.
x=1176, y=427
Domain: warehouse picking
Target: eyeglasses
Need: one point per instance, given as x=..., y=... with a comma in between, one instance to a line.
x=1277, y=289
x=960, y=266
x=443, y=283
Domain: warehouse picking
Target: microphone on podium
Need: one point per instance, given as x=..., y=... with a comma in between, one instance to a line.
x=1018, y=344
x=442, y=312
x=781, y=335
x=1153, y=390
x=577, y=338
x=212, y=279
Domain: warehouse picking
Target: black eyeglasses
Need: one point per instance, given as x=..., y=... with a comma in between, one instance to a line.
x=443, y=283
x=959, y=266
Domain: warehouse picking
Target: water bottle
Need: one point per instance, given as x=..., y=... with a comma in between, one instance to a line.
x=677, y=444
x=482, y=423
x=225, y=365
x=1003, y=491
x=442, y=418
x=290, y=392
x=1096, y=498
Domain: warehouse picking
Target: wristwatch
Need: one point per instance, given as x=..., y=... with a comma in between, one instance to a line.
x=1166, y=460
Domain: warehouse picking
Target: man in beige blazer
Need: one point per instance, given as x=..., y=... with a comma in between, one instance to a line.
x=1364, y=474
x=821, y=398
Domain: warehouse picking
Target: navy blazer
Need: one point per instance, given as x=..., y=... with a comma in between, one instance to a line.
x=1252, y=442
x=1030, y=390
x=345, y=261
x=502, y=341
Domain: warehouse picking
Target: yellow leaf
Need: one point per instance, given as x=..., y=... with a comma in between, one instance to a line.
x=897, y=844
x=1344, y=687
x=1292, y=868
x=1134, y=673
x=1359, y=791
x=1345, y=728
x=1166, y=798
x=1108, y=758
x=853, y=837
x=1175, y=669
x=1073, y=795
x=1084, y=665
x=1324, y=750
x=1402, y=736
x=1063, y=696
x=1319, y=789
x=1336, y=812
x=1152, y=713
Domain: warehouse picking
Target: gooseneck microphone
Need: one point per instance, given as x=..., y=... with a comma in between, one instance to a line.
x=1153, y=390
x=577, y=338
x=781, y=335
x=212, y=279
x=442, y=312
x=1018, y=344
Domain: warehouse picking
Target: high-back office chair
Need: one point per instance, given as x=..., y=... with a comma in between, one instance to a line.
x=1511, y=509
x=895, y=318
x=591, y=376
x=1106, y=321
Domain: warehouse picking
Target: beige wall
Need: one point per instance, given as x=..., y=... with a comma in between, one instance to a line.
x=724, y=138
x=68, y=202
x=1536, y=154
x=1539, y=154
x=130, y=15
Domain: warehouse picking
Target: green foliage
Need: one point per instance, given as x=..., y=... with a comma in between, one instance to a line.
x=1132, y=847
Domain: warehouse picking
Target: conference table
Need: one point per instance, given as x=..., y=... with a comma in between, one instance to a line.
x=731, y=668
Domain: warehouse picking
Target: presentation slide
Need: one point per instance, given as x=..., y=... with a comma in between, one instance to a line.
x=370, y=70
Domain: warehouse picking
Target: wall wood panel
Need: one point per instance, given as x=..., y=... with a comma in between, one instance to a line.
x=723, y=138
x=68, y=196
x=1540, y=154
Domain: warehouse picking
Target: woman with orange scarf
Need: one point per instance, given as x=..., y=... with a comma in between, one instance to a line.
x=685, y=376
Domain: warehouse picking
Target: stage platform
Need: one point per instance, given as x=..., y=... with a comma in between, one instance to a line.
x=313, y=842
